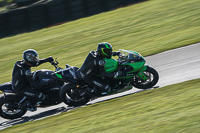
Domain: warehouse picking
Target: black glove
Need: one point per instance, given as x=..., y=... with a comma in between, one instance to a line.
x=50, y=59
x=116, y=53
x=118, y=74
x=53, y=63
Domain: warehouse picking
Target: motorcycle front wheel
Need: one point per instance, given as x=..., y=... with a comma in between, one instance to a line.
x=9, y=108
x=71, y=95
x=152, y=79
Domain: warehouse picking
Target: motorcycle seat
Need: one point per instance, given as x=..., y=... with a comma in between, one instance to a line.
x=6, y=87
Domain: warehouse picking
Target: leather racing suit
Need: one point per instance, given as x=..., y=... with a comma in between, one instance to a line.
x=93, y=66
x=22, y=83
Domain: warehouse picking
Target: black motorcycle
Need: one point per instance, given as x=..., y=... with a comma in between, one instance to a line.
x=13, y=106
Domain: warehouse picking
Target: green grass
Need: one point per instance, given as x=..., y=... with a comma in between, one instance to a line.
x=5, y=2
x=149, y=28
x=171, y=109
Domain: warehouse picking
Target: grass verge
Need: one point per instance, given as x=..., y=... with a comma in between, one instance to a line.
x=170, y=109
x=149, y=27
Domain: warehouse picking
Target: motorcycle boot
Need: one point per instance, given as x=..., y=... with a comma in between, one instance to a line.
x=107, y=90
x=31, y=107
x=91, y=90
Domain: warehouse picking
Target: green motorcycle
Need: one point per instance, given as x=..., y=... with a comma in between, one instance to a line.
x=135, y=73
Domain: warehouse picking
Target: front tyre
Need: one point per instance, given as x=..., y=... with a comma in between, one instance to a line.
x=152, y=79
x=9, y=108
x=72, y=95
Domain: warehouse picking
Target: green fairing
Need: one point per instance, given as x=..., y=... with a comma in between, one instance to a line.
x=136, y=66
x=141, y=74
x=126, y=77
x=58, y=75
x=111, y=65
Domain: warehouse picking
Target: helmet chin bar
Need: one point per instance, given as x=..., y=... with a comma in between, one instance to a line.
x=29, y=64
x=31, y=57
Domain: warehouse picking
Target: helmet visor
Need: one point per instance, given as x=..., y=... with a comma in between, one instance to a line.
x=32, y=58
x=107, y=52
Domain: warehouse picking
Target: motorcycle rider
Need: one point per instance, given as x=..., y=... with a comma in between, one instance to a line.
x=22, y=83
x=94, y=65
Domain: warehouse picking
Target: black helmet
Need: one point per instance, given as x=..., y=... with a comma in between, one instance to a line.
x=31, y=56
x=104, y=49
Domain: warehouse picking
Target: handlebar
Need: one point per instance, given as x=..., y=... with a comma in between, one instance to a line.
x=55, y=64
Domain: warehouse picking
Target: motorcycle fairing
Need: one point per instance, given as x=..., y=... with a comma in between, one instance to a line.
x=67, y=74
x=132, y=61
x=141, y=73
x=138, y=73
x=111, y=65
x=136, y=66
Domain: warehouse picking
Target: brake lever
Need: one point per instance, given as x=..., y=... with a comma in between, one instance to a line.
x=55, y=64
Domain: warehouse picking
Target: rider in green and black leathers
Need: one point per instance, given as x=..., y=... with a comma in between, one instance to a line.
x=94, y=65
x=22, y=82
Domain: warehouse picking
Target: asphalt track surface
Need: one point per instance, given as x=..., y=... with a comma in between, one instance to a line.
x=174, y=66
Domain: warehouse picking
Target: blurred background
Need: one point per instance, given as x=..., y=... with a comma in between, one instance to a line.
x=18, y=16
x=70, y=29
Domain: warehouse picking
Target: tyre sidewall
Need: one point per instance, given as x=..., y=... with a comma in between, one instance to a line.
x=11, y=98
x=63, y=92
x=150, y=85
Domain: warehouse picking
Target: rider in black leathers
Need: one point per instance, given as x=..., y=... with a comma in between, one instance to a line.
x=94, y=65
x=22, y=83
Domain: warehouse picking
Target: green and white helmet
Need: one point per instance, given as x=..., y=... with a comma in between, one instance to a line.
x=104, y=49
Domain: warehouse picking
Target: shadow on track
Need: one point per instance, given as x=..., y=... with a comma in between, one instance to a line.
x=42, y=115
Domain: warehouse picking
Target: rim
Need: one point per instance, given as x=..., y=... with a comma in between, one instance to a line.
x=10, y=108
x=74, y=95
x=150, y=78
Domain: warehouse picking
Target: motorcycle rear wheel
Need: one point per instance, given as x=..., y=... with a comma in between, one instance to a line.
x=152, y=79
x=9, y=108
x=71, y=95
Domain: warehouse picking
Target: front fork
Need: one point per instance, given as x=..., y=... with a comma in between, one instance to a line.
x=24, y=98
x=141, y=74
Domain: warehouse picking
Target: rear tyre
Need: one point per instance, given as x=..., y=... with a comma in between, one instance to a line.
x=9, y=108
x=73, y=96
x=152, y=79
